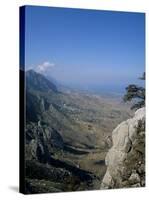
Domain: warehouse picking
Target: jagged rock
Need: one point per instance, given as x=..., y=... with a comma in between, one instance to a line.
x=41, y=141
x=125, y=160
x=108, y=141
x=134, y=178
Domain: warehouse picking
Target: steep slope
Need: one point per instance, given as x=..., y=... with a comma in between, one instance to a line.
x=67, y=135
x=46, y=170
x=36, y=88
x=36, y=81
x=83, y=120
x=126, y=159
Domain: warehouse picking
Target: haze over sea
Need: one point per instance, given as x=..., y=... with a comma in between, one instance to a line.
x=101, y=51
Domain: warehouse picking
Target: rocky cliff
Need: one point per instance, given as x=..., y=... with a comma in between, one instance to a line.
x=126, y=159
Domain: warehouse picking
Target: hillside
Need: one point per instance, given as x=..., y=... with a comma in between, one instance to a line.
x=67, y=133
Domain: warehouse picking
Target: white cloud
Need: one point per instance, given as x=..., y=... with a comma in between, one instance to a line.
x=45, y=66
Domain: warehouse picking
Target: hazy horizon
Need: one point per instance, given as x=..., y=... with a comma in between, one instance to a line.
x=86, y=49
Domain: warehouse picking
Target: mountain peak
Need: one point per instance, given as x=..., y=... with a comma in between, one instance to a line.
x=37, y=81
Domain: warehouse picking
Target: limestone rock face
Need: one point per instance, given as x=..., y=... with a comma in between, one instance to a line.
x=126, y=159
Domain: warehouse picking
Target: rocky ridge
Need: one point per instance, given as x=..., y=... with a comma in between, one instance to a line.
x=126, y=159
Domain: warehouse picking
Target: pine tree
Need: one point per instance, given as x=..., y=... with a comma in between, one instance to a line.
x=136, y=93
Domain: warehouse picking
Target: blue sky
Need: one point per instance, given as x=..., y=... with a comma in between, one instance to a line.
x=85, y=48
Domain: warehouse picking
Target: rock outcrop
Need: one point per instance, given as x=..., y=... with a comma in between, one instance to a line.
x=45, y=168
x=126, y=159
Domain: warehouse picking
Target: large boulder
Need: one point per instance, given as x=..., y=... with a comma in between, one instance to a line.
x=126, y=159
